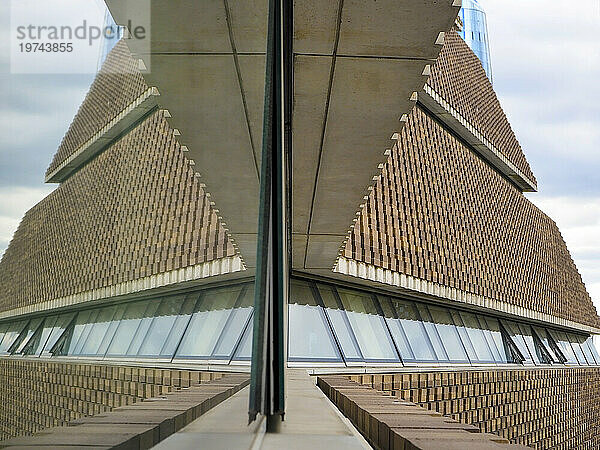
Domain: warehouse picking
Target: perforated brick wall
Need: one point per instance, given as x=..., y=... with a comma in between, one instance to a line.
x=116, y=85
x=542, y=408
x=135, y=210
x=440, y=213
x=459, y=78
x=35, y=395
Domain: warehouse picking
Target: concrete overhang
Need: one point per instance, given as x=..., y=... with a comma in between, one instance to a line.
x=357, y=64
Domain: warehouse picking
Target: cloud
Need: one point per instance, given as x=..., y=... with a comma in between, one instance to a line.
x=545, y=61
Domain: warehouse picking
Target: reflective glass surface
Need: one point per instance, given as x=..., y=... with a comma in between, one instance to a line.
x=340, y=323
x=13, y=330
x=516, y=335
x=210, y=320
x=61, y=323
x=368, y=326
x=471, y=332
x=326, y=324
x=25, y=335
x=577, y=349
x=165, y=318
x=310, y=337
x=564, y=345
x=409, y=332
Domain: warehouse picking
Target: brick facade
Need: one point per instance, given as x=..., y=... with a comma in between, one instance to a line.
x=117, y=84
x=542, y=408
x=459, y=78
x=438, y=212
x=135, y=210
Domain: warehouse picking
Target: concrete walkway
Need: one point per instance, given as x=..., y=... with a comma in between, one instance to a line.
x=311, y=421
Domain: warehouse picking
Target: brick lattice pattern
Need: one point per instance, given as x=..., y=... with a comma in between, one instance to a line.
x=135, y=210
x=543, y=408
x=35, y=395
x=440, y=213
x=459, y=78
x=117, y=84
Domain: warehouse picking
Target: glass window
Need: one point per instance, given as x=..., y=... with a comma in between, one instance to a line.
x=516, y=335
x=39, y=338
x=244, y=348
x=432, y=332
x=236, y=324
x=576, y=341
x=159, y=328
x=448, y=333
x=25, y=335
x=59, y=327
x=97, y=330
x=208, y=322
x=13, y=331
x=143, y=327
x=132, y=317
x=495, y=339
x=83, y=326
x=368, y=325
x=535, y=349
x=340, y=323
x=542, y=335
x=3, y=328
x=310, y=337
x=471, y=332
x=409, y=332
x=564, y=345
x=589, y=343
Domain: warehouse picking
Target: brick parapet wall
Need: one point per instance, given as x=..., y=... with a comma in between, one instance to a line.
x=543, y=408
x=40, y=394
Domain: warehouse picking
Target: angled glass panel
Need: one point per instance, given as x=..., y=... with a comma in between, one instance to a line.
x=545, y=340
x=448, y=333
x=59, y=327
x=516, y=336
x=471, y=332
x=3, y=328
x=368, y=325
x=159, y=329
x=238, y=320
x=310, y=338
x=13, y=331
x=534, y=349
x=340, y=323
x=178, y=329
x=25, y=335
x=564, y=345
x=97, y=330
x=243, y=351
x=576, y=341
x=128, y=325
x=81, y=331
x=408, y=331
x=39, y=338
x=432, y=332
x=208, y=321
x=493, y=335
x=143, y=327
x=589, y=343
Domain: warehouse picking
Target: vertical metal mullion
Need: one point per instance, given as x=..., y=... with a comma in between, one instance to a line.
x=272, y=277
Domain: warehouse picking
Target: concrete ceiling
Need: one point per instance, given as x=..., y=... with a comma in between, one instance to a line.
x=357, y=62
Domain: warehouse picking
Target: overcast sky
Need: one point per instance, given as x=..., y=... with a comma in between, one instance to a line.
x=546, y=65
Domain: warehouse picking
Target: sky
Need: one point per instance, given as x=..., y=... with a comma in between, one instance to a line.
x=546, y=63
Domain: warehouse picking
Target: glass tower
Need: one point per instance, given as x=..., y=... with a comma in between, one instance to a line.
x=474, y=32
